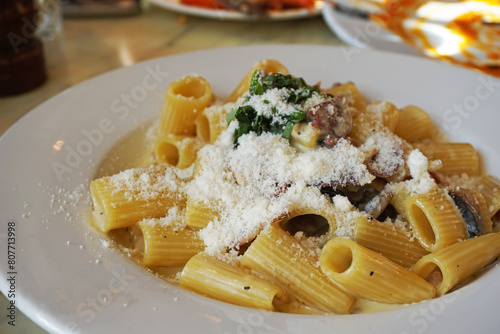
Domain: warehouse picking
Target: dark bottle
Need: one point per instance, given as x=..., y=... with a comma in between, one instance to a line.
x=22, y=64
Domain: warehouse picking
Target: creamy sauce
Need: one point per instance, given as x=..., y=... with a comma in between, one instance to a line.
x=134, y=150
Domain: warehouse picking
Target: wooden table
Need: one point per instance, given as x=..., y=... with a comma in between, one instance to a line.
x=91, y=46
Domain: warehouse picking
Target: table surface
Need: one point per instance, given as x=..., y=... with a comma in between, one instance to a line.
x=91, y=46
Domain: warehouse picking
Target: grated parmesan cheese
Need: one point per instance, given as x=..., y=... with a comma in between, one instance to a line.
x=421, y=181
x=386, y=153
x=243, y=184
x=147, y=183
x=173, y=219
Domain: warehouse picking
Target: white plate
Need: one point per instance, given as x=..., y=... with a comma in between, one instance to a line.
x=362, y=33
x=223, y=14
x=68, y=281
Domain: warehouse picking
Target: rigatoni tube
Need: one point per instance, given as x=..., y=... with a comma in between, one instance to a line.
x=414, y=124
x=176, y=150
x=371, y=275
x=386, y=112
x=435, y=220
x=211, y=122
x=452, y=265
x=126, y=198
x=199, y=214
x=168, y=244
x=457, y=158
x=395, y=243
x=278, y=256
x=185, y=99
x=216, y=279
x=267, y=66
x=489, y=186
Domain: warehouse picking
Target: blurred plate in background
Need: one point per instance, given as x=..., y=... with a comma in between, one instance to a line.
x=227, y=14
x=354, y=28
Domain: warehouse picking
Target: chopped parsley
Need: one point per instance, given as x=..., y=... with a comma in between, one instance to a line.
x=299, y=90
x=292, y=93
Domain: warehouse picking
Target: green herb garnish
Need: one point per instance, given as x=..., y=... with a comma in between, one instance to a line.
x=259, y=85
x=250, y=121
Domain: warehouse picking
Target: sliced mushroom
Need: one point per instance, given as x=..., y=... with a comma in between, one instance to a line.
x=359, y=196
x=385, y=155
x=312, y=225
x=333, y=118
x=379, y=203
x=469, y=209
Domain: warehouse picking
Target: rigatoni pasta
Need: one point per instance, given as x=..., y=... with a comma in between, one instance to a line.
x=371, y=275
x=489, y=186
x=393, y=241
x=126, y=198
x=198, y=214
x=267, y=66
x=280, y=258
x=436, y=220
x=454, y=264
x=456, y=158
x=168, y=243
x=211, y=122
x=414, y=124
x=185, y=98
x=386, y=112
x=177, y=150
x=220, y=280
x=290, y=197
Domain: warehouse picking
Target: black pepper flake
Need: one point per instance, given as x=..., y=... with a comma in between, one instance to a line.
x=246, y=288
x=371, y=273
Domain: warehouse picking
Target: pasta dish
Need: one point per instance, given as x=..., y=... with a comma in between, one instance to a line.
x=297, y=198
